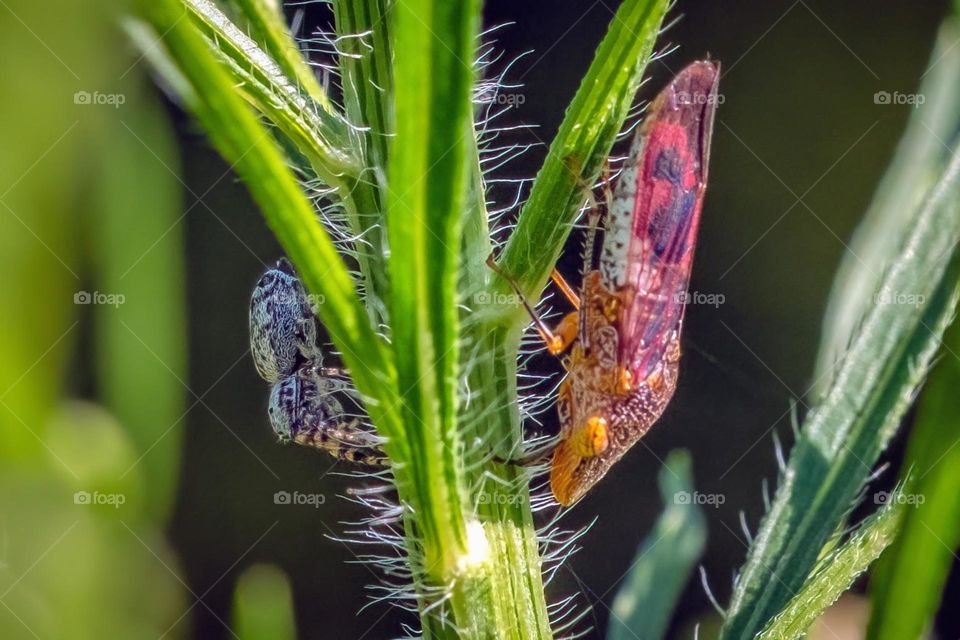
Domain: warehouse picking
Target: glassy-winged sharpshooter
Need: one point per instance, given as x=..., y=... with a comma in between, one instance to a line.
x=624, y=337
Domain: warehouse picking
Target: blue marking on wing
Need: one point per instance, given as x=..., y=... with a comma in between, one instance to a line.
x=670, y=225
x=668, y=167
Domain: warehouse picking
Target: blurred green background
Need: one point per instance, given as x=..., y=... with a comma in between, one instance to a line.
x=138, y=470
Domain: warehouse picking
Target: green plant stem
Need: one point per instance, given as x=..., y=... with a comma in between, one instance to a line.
x=493, y=420
x=430, y=162
x=366, y=76
x=591, y=124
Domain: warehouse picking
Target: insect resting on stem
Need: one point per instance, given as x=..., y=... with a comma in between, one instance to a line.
x=624, y=335
x=306, y=401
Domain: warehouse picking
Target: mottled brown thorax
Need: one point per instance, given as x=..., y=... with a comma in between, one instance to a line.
x=598, y=384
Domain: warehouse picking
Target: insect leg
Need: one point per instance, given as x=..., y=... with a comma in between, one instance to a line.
x=532, y=459
x=568, y=292
x=344, y=441
x=556, y=343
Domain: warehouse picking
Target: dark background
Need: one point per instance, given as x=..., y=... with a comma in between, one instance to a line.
x=798, y=149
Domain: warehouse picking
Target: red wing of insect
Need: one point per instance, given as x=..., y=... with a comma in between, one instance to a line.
x=652, y=232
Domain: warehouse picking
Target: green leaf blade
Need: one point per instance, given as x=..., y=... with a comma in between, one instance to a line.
x=908, y=581
x=664, y=561
x=837, y=571
x=428, y=180
x=583, y=142
x=843, y=437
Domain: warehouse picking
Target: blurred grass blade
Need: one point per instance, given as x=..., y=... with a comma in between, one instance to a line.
x=45, y=141
x=257, y=159
x=837, y=570
x=263, y=605
x=844, y=435
x=647, y=598
x=907, y=583
x=918, y=161
x=141, y=341
x=582, y=144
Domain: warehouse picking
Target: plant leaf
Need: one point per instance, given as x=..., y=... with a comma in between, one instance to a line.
x=907, y=583
x=428, y=178
x=582, y=144
x=324, y=137
x=836, y=571
x=266, y=20
x=919, y=159
x=247, y=144
x=844, y=435
x=663, y=563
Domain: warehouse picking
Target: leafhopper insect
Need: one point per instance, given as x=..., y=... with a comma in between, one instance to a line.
x=624, y=336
